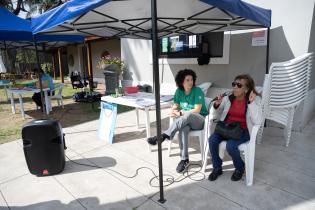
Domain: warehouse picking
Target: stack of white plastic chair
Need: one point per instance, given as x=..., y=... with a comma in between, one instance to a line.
x=285, y=86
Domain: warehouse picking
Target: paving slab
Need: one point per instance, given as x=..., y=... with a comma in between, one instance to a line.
x=296, y=183
x=126, y=166
x=191, y=196
x=300, y=141
x=12, y=161
x=82, y=142
x=82, y=182
x=281, y=158
x=258, y=196
x=152, y=205
x=31, y=192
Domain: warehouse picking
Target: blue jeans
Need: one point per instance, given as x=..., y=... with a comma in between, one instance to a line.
x=231, y=147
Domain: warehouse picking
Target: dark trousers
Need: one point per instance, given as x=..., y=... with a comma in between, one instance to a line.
x=231, y=147
x=37, y=99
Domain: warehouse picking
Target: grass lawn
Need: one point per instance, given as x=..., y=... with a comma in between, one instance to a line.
x=73, y=113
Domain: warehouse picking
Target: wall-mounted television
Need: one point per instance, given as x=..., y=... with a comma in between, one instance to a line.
x=192, y=46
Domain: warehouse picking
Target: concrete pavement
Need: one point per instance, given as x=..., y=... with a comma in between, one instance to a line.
x=284, y=178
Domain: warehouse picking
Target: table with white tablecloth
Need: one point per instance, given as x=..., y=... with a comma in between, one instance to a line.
x=140, y=101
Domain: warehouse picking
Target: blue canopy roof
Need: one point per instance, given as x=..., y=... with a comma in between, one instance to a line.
x=13, y=28
x=118, y=17
x=243, y=9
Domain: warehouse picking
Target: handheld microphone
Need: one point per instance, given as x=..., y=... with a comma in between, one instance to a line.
x=224, y=94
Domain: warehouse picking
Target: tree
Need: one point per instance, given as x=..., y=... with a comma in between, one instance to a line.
x=15, y=8
x=41, y=6
x=30, y=6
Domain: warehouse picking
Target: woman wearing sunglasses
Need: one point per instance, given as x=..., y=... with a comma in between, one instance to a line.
x=242, y=106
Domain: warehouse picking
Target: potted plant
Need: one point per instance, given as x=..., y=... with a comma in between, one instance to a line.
x=113, y=68
x=111, y=63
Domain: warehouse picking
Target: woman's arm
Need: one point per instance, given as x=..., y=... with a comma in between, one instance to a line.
x=216, y=111
x=255, y=111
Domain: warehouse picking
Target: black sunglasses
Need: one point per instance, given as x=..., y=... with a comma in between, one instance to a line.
x=239, y=85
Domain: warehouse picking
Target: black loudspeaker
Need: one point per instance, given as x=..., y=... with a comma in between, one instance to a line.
x=44, y=145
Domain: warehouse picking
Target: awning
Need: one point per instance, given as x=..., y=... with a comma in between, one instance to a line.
x=17, y=32
x=132, y=18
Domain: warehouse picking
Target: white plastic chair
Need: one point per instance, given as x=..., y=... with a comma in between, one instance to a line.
x=194, y=133
x=285, y=87
x=248, y=148
x=58, y=95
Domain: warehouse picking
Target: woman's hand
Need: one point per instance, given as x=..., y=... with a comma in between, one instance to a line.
x=218, y=101
x=252, y=96
x=174, y=113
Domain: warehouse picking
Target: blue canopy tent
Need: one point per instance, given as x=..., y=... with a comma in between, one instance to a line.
x=18, y=33
x=144, y=20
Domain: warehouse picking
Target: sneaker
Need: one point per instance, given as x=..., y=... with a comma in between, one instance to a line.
x=153, y=140
x=182, y=166
x=237, y=175
x=214, y=174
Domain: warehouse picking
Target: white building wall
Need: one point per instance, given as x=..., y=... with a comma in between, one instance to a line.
x=138, y=56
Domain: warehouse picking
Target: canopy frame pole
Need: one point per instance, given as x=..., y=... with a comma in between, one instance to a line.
x=155, y=61
x=54, y=65
x=90, y=65
x=60, y=66
x=267, y=51
x=39, y=76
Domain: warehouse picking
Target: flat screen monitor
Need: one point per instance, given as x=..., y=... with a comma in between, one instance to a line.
x=192, y=46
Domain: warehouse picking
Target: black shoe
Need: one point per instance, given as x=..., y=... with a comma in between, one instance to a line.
x=214, y=174
x=237, y=175
x=153, y=140
x=182, y=166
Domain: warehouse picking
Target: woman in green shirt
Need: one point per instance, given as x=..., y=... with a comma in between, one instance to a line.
x=189, y=111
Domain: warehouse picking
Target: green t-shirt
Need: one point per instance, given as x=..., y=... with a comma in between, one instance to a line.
x=188, y=102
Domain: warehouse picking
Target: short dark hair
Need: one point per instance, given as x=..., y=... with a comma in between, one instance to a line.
x=180, y=77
